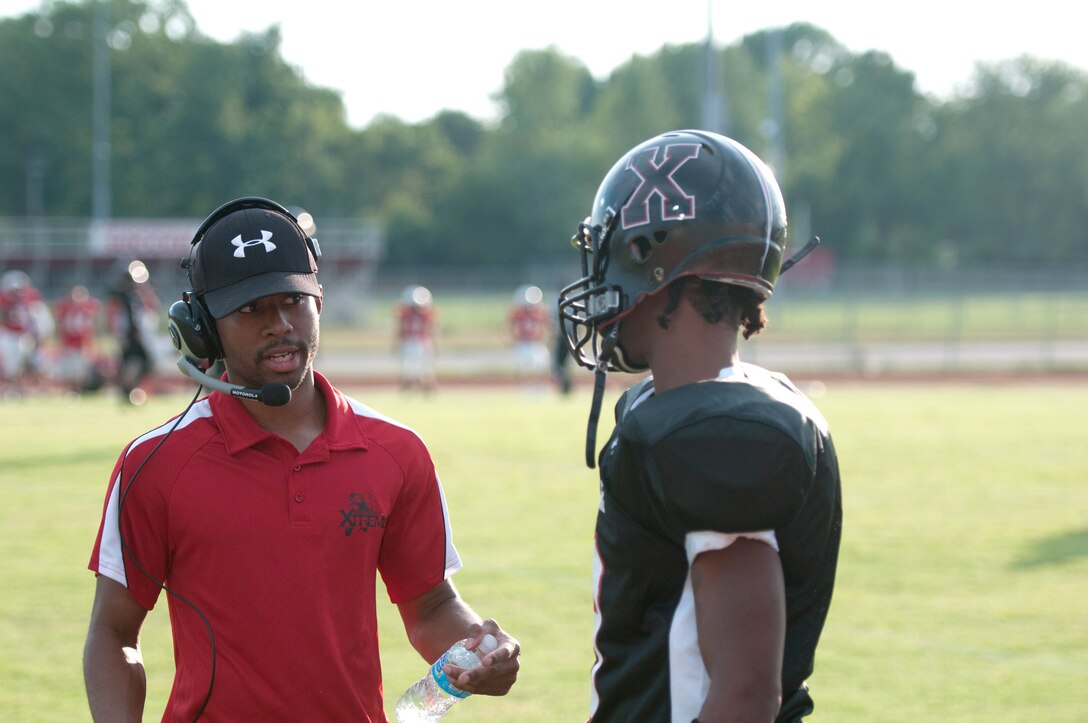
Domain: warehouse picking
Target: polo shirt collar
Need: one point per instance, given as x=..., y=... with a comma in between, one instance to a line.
x=241, y=431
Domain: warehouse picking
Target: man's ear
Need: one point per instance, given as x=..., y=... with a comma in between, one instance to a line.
x=320, y=299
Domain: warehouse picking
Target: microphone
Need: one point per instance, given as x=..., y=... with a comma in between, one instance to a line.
x=274, y=395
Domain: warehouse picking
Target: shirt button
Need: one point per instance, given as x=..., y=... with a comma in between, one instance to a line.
x=298, y=468
x=298, y=497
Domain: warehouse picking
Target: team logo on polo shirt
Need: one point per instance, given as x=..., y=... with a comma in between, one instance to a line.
x=359, y=515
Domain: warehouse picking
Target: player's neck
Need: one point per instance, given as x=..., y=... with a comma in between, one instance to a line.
x=691, y=350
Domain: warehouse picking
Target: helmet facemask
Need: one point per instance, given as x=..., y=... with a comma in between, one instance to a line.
x=589, y=305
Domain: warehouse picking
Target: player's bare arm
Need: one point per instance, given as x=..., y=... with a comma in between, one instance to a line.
x=439, y=617
x=740, y=610
x=113, y=668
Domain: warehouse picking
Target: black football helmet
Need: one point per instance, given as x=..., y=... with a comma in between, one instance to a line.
x=680, y=204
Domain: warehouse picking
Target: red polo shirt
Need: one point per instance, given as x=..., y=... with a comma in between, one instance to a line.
x=278, y=549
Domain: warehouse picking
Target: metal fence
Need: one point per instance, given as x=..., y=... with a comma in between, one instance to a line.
x=864, y=319
x=842, y=316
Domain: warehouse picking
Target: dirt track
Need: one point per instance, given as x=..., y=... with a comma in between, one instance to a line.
x=886, y=361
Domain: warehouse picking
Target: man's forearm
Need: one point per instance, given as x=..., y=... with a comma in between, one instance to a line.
x=115, y=679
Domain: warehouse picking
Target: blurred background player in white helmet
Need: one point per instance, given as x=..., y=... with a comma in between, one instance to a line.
x=25, y=323
x=417, y=327
x=78, y=366
x=530, y=323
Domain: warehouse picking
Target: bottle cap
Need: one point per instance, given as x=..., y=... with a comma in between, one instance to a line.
x=488, y=644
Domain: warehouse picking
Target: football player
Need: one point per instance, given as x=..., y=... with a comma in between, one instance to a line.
x=25, y=323
x=417, y=325
x=528, y=322
x=719, y=522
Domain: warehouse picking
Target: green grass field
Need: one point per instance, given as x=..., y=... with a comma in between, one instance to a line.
x=962, y=583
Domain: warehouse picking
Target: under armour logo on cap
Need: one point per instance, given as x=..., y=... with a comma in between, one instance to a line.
x=240, y=252
x=228, y=273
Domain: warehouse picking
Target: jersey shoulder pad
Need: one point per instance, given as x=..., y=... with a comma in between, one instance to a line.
x=723, y=461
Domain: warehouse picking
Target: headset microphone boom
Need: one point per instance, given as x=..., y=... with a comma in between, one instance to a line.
x=274, y=395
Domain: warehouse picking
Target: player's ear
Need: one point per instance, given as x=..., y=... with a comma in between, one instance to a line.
x=320, y=299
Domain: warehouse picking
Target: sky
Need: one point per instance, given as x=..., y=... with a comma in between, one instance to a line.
x=412, y=59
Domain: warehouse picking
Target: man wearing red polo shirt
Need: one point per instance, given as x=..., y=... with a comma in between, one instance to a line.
x=266, y=522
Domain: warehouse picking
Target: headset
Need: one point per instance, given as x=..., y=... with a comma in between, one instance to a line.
x=192, y=327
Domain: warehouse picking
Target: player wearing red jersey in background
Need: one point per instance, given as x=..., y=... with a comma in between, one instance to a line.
x=417, y=327
x=77, y=328
x=269, y=522
x=530, y=323
x=719, y=518
x=25, y=324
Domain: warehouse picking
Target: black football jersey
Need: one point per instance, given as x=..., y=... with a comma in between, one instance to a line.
x=688, y=471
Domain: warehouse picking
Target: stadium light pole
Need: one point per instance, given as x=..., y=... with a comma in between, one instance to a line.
x=101, y=149
x=715, y=115
x=773, y=124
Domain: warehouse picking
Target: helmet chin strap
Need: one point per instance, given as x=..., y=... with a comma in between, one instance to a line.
x=802, y=253
x=608, y=346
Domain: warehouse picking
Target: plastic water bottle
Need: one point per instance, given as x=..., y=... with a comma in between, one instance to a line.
x=431, y=697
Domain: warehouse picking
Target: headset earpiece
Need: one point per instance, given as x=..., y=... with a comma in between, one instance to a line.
x=192, y=330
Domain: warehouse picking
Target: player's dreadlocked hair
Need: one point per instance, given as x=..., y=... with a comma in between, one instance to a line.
x=716, y=301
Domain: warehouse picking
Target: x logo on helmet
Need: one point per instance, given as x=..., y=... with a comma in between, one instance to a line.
x=657, y=180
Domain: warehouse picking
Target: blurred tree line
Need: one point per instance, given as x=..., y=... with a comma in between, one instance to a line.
x=998, y=173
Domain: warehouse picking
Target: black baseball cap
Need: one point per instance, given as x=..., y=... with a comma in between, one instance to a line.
x=250, y=252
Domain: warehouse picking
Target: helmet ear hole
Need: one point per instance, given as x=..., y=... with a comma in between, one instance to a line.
x=640, y=248
x=660, y=236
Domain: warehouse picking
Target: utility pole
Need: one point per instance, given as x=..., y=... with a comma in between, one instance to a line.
x=773, y=124
x=101, y=149
x=715, y=114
